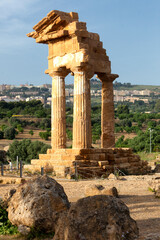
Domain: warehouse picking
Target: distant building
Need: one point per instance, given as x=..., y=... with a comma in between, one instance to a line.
x=35, y=98
x=5, y=87
x=47, y=85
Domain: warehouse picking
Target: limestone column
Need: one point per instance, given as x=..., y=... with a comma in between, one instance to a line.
x=82, y=137
x=58, y=111
x=107, y=111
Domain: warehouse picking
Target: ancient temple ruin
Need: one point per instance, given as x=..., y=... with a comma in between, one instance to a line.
x=72, y=49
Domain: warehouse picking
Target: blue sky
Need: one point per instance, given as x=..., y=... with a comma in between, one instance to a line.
x=129, y=29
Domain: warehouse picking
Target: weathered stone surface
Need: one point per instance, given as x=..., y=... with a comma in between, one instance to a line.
x=38, y=203
x=154, y=185
x=8, y=196
x=97, y=217
x=157, y=193
x=100, y=190
x=90, y=162
x=151, y=236
x=58, y=133
x=107, y=114
x=82, y=111
x=73, y=49
x=112, y=177
x=157, y=168
x=24, y=230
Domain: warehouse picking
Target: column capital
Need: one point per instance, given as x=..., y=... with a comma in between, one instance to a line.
x=62, y=72
x=88, y=70
x=107, y=77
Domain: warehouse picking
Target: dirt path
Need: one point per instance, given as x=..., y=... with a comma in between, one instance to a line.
x=143, y=206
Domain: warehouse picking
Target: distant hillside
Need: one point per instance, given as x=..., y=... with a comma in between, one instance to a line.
x=129, y=86
x=96, y=85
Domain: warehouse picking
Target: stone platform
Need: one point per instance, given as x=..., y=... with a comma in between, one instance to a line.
x=89, y=162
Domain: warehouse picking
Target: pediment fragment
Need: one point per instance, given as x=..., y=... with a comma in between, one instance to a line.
x=53, y=26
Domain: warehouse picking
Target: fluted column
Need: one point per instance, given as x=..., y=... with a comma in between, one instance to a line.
x=58, y=117
x=107, y=111
x=82, y=110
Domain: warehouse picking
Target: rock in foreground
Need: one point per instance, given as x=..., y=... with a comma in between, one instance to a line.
x=38, y=203
x=100, y=190
x=97, y=217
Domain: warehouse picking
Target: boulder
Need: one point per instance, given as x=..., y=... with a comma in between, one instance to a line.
x=8, y=196
x=112, y=177
x=38, y=204
x=157, y=168
x=154, y=183
x=98, y=217
x=157, y=192
x=24, y=230
x=152, y=236
x=100, y=190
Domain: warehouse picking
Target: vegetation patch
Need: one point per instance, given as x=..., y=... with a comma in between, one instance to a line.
x=151, y=190
x=39, y=234
x=6, y=228
x=26, y=150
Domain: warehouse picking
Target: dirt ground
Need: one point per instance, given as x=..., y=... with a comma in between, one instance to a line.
x=133, y=190
x=35, y=137
x=24, y=135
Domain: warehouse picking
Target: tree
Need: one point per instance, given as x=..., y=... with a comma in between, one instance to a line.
x=26, y=150
x=14, y=122
x=1, y=134
x=96, y=132
x=45, y=123
x=31, y=132
x=44, y=135
x=69, y=121
x=151, y=124
x=69, y=134
x=122, y=109
x=9, y=133
x=157, y=106
x=2, y=156
x=20, y=129
x=125, y=123
x=40, y=113
x=3, y=127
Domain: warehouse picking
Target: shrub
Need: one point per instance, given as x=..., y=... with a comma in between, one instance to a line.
x=31, y=132
x=3, y=156
x=5, y=225
x=9, y=133
x=20, y=129
x=14, y=122
x=45, y=123
x=122, y=109
x=26, y=149
x=44, y=135
x=69, y=134
x=1, y=134
x=3, y=127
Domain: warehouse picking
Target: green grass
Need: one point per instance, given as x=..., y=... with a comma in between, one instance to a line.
x=148, y=156
x=6, y=228
x=151, y=190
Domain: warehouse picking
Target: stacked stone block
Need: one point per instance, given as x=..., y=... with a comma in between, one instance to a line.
x=90, y=162
x=72, y=49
